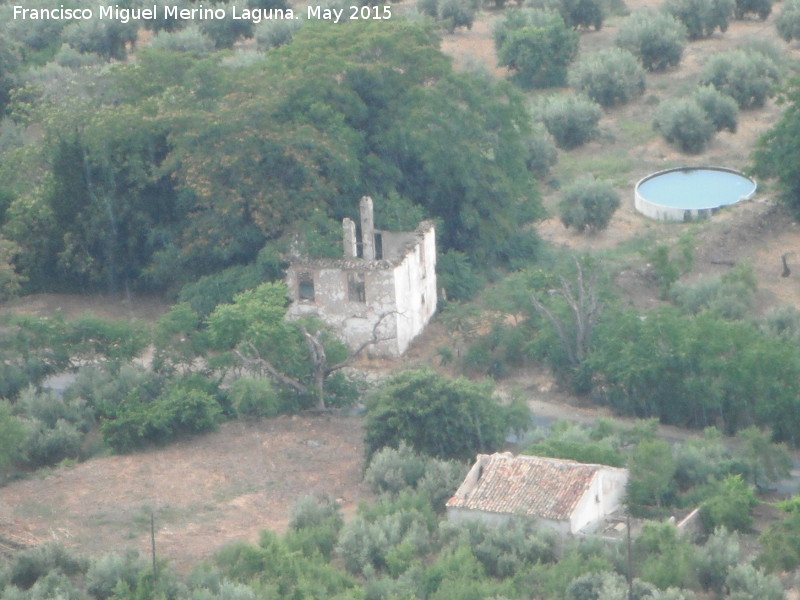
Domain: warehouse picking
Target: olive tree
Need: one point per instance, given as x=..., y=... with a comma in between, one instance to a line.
x=610, y=77
x=788, y=21
x=537, y=46
x=748, y=76
x=656, y=38
x=720, y=108
x=578, y=14
x=684, y=123
x=588, y=204
x=454, y=14
x=701, y=17
x=762, y=8
x=572, y=119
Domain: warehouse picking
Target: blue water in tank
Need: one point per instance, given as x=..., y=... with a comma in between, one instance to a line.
x=696, y=188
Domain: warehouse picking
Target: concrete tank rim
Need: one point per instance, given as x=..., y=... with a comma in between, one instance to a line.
x=646, y=178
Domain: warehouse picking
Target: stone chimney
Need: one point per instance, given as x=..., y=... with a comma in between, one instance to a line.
x=367, y=229
x=350, y=247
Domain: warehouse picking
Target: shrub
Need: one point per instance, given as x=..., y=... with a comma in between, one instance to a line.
x=788, y=21
x=275, y=33
x=657, y=39
x=576, y=13
x=315, y=524
x=30, y=565
x=762, y=8
x=780, y=544
x=701, y=17
x=394, y=469
x=254, y=397
x=366, y=545
x=225, y=32
x=749, y=77
x=571, y=119
x=454, y=14
x=610, y=77
x=178, y=410
x=720, y=108
x=108, y=571
x=189, y=39
x=457, y=277
x=684, y=123
x=745, y=582
x=588, y=204
x=542, y=153
x=50, y=445
x=720, y=552
x=730, y=505
x=536, y=46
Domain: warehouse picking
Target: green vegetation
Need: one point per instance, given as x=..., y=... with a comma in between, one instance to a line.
x=778, y=149
x=702, y=17
x=441, y=417
x=747, y=76
x=571, y=119
x=536, y=45
x=656, y=38
x=609, y=77
x=588, y=204
x=788, y=21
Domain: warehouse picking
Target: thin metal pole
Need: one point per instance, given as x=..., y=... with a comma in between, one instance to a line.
x=153, y=550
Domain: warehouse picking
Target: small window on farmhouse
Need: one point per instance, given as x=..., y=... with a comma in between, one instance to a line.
x=305, y=287
x=356, y=291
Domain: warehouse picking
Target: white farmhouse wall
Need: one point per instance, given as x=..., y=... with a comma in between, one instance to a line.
x=399, y=291
x=605, y=496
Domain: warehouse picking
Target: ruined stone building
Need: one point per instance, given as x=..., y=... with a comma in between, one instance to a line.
x=383, y=289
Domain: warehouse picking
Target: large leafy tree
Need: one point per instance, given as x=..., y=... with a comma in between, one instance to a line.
x=537, y=46
x=438, y=416
x=778, y=151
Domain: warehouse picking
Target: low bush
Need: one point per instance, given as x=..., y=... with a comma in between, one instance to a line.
x=542, y=153
x=453, y=14
x=729, y=506
x=588, y=204
x=683, y=122
x=747, y=76
x=720, y=108
x=761, y=8
x=609, y=77
x=788, y=21
x=254, y=397
x=110, y=570
x=657, y=39
x=701, y=17
x=571, y=119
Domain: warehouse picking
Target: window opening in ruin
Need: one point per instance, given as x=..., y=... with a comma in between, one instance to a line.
x=378, y=246
x=356, y=289
x=305, y=287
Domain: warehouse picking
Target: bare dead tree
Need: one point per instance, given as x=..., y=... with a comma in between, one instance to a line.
x=321, y=370
x=585, y=310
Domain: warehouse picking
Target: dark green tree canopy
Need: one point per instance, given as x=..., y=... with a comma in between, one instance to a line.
x=435, y=415
x=183, y=163
x=778, y=151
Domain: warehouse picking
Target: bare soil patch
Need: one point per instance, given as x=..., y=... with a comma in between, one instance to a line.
x=204, y=492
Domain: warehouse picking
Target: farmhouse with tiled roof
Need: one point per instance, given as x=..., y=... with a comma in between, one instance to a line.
x=569, y=496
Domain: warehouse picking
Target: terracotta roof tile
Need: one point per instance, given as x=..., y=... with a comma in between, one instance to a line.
x=530, y=485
